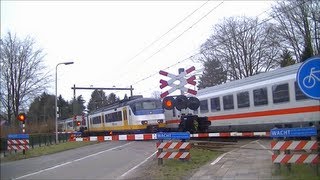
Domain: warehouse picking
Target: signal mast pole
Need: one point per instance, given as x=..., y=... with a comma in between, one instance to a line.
x=180, y=70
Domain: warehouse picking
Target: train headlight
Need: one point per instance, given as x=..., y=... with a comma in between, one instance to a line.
x=160, y=121
x=144, y=122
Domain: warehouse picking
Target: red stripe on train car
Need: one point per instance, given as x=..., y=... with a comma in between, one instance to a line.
x=267, y=113
x=258, y=114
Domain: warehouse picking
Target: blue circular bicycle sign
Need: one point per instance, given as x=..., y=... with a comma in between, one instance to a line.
x=308, y=77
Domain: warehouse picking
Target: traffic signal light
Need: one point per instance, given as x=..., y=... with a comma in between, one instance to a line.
x=167, y=103
x=180, y=102
x=78, y=123
x=22, y=117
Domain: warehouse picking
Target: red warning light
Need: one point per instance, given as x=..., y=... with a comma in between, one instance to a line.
x=167, y=103
x=21, y=117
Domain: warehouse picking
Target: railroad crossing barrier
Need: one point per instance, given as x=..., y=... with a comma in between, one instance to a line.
x=18, y=142
x=290, y=152
x=138, y=137
x=173, y=150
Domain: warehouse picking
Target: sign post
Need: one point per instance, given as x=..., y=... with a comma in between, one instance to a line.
x=22, y=118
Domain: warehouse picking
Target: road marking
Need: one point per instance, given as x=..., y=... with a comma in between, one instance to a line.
x=137, y=165
x=220, y=157
x=69, y=162
x=265, y=148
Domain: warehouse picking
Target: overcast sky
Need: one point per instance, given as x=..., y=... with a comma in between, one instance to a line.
x=109, y=41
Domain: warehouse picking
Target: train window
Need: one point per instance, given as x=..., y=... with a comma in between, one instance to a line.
x=215, y=104
x=228, y=102
x=260, y=96
x=299, y=93
x=96, y=120
x=204, y=106
x=280, y=93
x=243, y=99
x=139, y=107
x=125, y=117
x=113, y=117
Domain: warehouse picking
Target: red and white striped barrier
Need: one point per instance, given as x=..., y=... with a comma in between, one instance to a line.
x=231, y=134
x=125, y=137
x=295, y=158
x=18, y=144
x=182, y=148
x=131, y=137
x=174, y=145
x=145, y=137
x=18, y=141
x=173, y=155
x=18, y=147
x=294, y=145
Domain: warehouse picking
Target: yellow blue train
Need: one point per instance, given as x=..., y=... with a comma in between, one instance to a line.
x=134, y=115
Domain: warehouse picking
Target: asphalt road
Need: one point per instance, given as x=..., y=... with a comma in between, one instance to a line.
x=108, y=160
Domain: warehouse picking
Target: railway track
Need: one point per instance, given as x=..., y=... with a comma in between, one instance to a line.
x=222, y=145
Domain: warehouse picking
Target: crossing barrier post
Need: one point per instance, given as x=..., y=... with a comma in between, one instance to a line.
x=160, y=150
x=295, y=152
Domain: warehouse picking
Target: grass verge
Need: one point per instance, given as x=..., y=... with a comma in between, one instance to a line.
x=300, y=171
x=176, y=169
x=44, y=150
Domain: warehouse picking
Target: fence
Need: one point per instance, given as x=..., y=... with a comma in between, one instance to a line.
x=36, y=140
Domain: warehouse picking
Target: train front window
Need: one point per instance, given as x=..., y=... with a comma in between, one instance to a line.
x=146, y=105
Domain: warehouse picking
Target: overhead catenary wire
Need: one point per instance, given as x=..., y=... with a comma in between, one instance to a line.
x=189, y=58
x=152, y=43
x=163, y=35
x=183, y=32
x=177, y=37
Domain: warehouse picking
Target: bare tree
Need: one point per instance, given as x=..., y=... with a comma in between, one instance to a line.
x=243, y=46
x=22, y=76
x=298, y=25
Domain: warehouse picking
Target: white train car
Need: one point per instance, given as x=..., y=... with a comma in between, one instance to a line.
x=257, y=103
x=68, y=125
x=130, y=116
